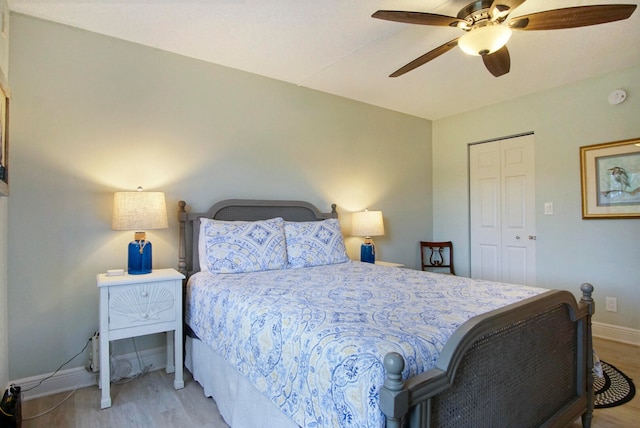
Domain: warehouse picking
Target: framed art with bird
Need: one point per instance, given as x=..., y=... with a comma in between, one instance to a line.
x=611, y=180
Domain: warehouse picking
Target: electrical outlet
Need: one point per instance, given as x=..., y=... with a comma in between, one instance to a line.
x=612, y=304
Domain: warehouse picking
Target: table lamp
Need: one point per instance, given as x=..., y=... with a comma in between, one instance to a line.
x=367, y=224
x=139, y=211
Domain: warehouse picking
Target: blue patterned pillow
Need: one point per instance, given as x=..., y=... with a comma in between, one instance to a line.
x=242, y=246
x=314, y=243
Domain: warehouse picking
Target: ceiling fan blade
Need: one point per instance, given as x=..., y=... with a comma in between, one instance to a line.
x=572, y=17
x=499, y=62
x=425, y=58
x=419, y=18
x=500, y=9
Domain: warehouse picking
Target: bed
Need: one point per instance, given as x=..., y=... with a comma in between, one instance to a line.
x=318, y=340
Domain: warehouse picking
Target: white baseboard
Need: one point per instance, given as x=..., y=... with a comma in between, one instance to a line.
x=616, y=333
x=79, y=377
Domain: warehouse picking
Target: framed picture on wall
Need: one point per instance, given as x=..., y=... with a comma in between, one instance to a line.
x=610, y=176
x=4, y=137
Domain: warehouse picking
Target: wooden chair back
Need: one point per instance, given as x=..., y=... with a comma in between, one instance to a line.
x=437, y=255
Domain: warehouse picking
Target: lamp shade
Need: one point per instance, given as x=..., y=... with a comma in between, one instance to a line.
x=484, y=40
x=139, y=211
x=367, y=223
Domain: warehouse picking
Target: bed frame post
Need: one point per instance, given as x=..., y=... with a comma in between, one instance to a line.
x=587, y=300
x=394, y=398
x=182, y=245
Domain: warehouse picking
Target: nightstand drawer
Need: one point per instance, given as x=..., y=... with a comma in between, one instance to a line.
x=141, y=304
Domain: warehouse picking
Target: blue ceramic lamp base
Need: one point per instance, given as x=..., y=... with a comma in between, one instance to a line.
x=139, y=257
x=368, y=252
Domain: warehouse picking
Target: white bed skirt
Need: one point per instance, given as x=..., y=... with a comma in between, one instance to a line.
x=240, y=403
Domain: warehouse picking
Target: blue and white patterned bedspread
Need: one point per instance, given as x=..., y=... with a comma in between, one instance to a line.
x=313, y=339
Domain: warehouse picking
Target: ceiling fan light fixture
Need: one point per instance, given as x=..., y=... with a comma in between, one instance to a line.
x=484, y=40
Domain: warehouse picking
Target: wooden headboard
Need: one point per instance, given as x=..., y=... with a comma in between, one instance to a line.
x=238, y=209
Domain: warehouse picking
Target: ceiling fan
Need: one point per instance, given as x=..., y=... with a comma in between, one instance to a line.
x=488, y=27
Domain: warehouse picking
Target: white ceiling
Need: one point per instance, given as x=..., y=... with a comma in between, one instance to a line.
x=335, y=46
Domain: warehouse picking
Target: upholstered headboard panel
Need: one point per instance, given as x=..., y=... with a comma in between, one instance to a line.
x=238, y=209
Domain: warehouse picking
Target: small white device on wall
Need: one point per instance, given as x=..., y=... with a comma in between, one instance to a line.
x=618, y=96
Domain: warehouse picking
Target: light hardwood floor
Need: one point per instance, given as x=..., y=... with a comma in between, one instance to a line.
x=151, y=401
x=627, y=359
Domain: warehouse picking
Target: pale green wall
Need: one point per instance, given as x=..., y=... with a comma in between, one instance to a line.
x=4, y=38
x=570, y=250
x=92, y=115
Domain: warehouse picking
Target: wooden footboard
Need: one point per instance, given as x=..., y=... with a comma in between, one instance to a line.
x=525, y=365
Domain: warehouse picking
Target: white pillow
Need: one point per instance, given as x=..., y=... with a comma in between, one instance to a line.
x=242, y=246
x=314, y=243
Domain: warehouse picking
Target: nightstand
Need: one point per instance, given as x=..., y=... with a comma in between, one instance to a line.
x=135, y=305
x=390, y=264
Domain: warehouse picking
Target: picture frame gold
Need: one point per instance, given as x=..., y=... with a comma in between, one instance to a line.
x=610, y=180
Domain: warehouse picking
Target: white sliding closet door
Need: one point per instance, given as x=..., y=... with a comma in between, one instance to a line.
x=502, y=208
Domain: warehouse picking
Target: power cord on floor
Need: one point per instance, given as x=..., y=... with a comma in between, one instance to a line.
x=143, y=370
x=51, y=409
x=58, y=369
x=49, y=377
x=119, y=380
